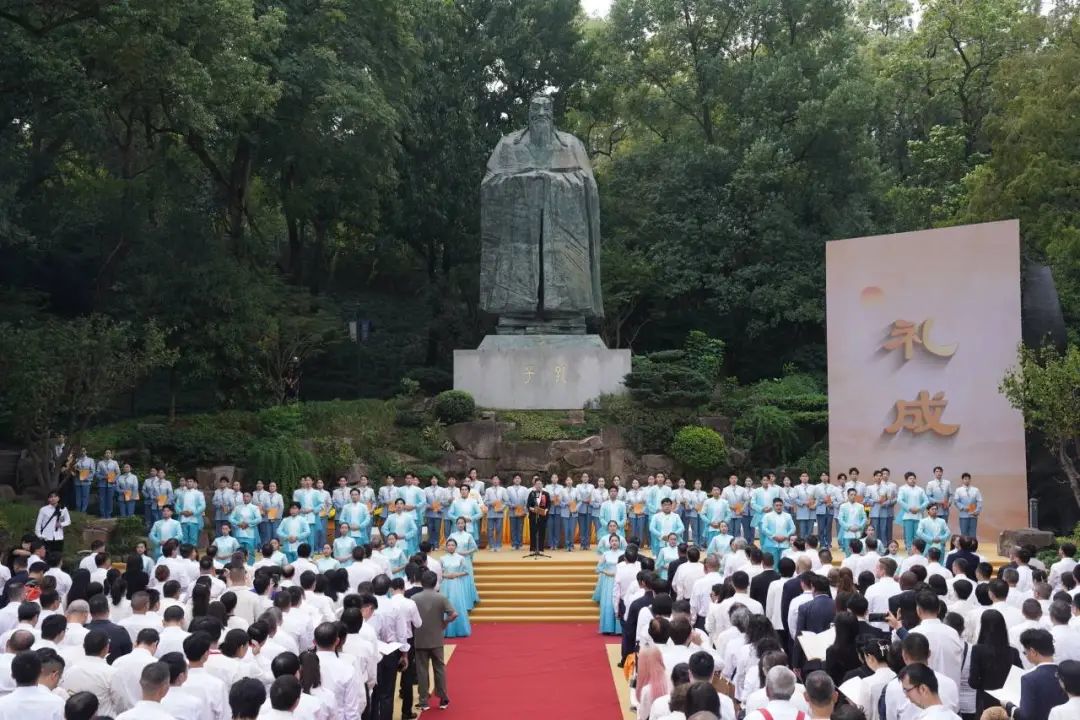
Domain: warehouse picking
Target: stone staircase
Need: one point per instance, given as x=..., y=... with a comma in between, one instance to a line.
x=558, y=589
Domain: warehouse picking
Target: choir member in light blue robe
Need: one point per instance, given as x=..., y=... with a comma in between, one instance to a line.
x=225, y=543
x=611, y=529
x=403, y=524
x=721, y=542
x=933, y=530
x=147, y=561
x=830, y=497
x=912, y=501
x=969, y=505
x=327, y=562
x=635, y=499
x=344, y=544
x=274, y=511
x=191, y=504
x=165, y=529
x=609, y=620
x=245, y=520
x=466, y=549
x=667, y=555
x=107, y=472
x=84, y=476
x=777, y=527
x=663, y=524
x=467, y=509
x=455, y=586
x=850, y=522
x=394, y=552
x=715, y=511
x=612, y=509
x=761, y=502
x=355, y=514
x=127, y=492
x=292, y=532
x=261, y=499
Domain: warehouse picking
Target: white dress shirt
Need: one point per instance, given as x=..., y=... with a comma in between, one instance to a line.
x=1068, y=711
x=759, y=699
x=701, y=594
x=211, y=691
x=171, y=639
x=1066, y=644
x=719, y=617
x=685, y=577
x=898, y=707
x=778, y=710
x=92, y=674
x=309, y=708
x=144, y=710
x=793, y=609
x=126, y=687
x=339, y=677
x=35, y=702
x=937, y=712
x=946, y=647
x=773, y=602
x=135, y=622
x=7, y=683
x=1063, y=566
x=184, y=705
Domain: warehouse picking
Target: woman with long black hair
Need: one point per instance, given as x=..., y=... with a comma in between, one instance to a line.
x=991, y=659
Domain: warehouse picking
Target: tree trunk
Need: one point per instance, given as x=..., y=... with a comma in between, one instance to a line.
x=1072, y=472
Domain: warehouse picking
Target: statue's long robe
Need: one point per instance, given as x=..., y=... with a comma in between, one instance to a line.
x=540, y=230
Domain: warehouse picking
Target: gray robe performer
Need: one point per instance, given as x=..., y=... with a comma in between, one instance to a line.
x=540, y=229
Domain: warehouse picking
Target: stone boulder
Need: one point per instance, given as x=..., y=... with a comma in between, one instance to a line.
x=1010, y=539
x=719, y=423
x=658, y=463
x=98, y=529
x=355, y=471
x=479, y=438
x=207, y=478
x=613, y=437
x=580, y=459
x=7, y=493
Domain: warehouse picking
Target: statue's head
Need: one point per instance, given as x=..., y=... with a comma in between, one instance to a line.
x=541, y=114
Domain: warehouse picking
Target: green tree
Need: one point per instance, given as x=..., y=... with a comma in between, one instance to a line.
x=1045, y=386
x=65, y=374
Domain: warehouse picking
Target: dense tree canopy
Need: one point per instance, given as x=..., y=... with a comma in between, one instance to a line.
x=252, y=175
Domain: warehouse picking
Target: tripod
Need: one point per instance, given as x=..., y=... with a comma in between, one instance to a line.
x=536, y=537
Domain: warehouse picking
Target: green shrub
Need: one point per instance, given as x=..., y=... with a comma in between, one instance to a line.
x=432, y=380
x=129, y=531
x=771, y=430
x=410, y=417
x=424, y=472
x=282, y=461
x=282, y=421
x=664, y=384
x=334, y=455
x=454, y=406
x=700, y=449
x=705, y=354
x=815, y=460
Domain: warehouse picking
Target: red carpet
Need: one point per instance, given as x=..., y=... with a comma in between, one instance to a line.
x=530, y=672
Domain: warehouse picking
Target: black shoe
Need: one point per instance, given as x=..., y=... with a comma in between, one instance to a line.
x=444, y=704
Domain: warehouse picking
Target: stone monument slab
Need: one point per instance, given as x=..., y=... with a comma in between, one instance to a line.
x=540, y=372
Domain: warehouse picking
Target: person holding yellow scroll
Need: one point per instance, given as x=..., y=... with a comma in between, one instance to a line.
x=969, y=502
x=275, y=510
x=84, y=473
x=495, y=500
x=582, y=495
x=107, y=472
x=635, y=502
x=517, y=497
x=437, y=499
x=738, y=499
x=127, y=491
x=698, y=496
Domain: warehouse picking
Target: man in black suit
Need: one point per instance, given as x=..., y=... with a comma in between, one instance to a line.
x=119, y=640
x=648, y=582
x=814, y=616
x=682, y=549
x=792, y=589
x=1040, y=690
x=538, y=504
x=759, y=586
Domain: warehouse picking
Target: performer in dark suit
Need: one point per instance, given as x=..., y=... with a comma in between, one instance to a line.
x=814, y=616
x=759, y=586
x=1040, y=690
x=538, y=504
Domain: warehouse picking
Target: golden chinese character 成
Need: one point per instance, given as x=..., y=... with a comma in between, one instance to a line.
x=922, y=415
x=907, y=335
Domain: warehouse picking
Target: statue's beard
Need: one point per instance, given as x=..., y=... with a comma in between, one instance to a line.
x=541, y=128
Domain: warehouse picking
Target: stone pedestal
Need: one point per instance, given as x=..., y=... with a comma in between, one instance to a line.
x=540, y=372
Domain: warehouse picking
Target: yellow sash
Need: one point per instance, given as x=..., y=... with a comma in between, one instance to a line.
x=110, y=478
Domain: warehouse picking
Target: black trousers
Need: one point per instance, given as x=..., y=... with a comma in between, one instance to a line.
x=382, y=701
x=537, y=533
x=54, y=545
x=408, y=684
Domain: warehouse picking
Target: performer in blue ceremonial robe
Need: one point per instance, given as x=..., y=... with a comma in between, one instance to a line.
x=456, y=574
